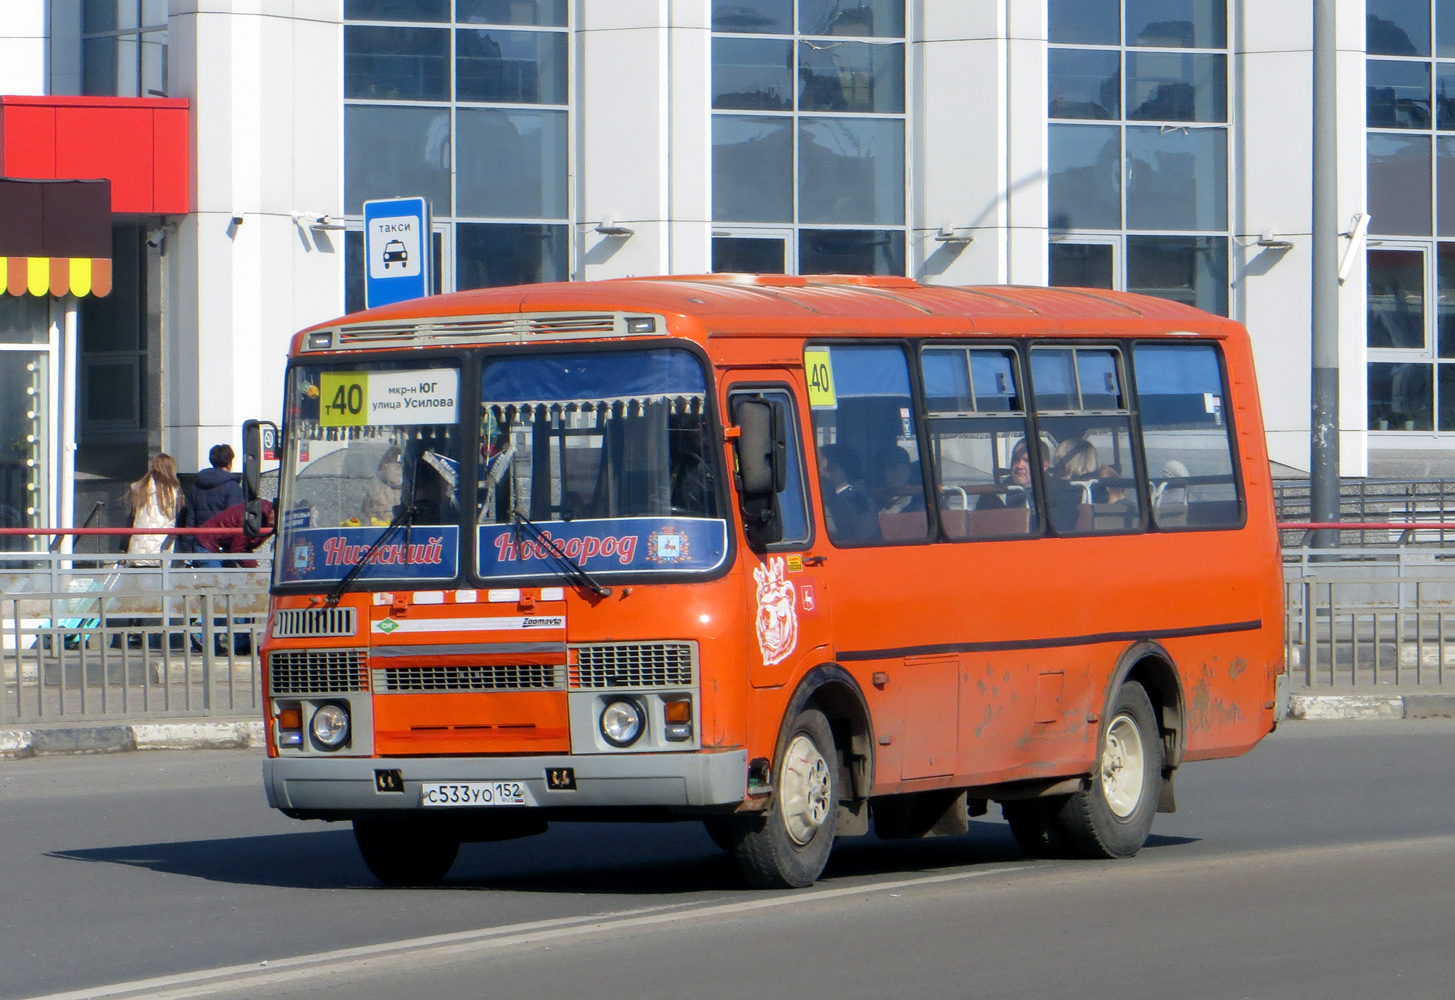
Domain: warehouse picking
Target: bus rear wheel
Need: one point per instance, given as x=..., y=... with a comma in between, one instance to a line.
x=406, y=852
x=788, y=846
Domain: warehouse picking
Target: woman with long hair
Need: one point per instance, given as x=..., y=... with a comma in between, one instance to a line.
x=156, y=499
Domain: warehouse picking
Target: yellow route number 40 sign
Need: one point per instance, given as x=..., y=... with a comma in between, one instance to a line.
x=819, y=370
x=344, y=399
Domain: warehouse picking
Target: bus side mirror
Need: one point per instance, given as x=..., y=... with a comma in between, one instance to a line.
x=253, y=474
x=762, y=466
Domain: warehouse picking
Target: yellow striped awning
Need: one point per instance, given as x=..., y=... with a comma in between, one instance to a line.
x=80, y=276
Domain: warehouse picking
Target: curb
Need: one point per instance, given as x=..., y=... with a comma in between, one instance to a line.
x=1325, y=707
x=16, y=744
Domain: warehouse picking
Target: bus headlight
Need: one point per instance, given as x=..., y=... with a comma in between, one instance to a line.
x=622, y=722
x=330, y=726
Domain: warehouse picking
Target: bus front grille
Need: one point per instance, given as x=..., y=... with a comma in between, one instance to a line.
x=317, y=671
x=301, y=623
x=634, y=664
x=523, y=677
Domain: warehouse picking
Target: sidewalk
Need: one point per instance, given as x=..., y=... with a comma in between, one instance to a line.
x=79, y=737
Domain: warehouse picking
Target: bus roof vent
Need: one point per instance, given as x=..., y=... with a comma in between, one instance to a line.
x=498, y=329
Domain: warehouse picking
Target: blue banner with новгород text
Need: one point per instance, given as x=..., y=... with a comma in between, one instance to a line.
x=622, y=544
x=326, y=555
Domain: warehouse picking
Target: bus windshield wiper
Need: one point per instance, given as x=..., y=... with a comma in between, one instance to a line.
x=403, y=518
x=570, y=568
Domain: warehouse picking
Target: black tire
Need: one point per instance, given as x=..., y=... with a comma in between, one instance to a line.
x=1035, y=825
x=778, y=851
x=406, y=852
x=1095, y=825
x=720, y=831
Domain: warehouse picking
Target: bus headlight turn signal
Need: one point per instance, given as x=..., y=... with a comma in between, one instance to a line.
x=677, y=715
x=622, y=722
x=330, y=726
x=290, y=725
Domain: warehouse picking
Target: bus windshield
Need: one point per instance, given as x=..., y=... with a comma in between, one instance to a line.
x=608, y=453
x=365, y=441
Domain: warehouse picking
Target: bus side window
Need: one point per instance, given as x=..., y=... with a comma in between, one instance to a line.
x=1083, y=414
x=1186, y=434
x=793, y=501
x=979, y=442
x=868, y=449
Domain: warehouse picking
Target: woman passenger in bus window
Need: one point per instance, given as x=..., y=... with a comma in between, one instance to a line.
x=1067, y=487
x=901, y=489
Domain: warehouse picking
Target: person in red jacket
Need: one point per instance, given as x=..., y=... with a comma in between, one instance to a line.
x=232, y=517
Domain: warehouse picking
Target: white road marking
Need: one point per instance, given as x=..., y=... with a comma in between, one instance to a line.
x=461, y=943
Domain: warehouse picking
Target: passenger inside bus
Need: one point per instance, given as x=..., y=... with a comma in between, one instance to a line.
x=1068, y=488
x=382, y=494
x=901, y=488
x=1017, y=484
x=850, y=513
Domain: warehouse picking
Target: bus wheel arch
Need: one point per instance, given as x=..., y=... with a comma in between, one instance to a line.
x=1150, y=665
x=832, y=690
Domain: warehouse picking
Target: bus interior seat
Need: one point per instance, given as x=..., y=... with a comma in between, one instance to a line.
x=991, y=523
x=903, y=526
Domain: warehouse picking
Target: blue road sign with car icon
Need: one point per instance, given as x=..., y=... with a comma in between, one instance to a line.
x=396, y=250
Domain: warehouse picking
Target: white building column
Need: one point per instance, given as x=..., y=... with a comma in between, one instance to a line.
x=24, y=47
x=643, y=137
x=265, y=81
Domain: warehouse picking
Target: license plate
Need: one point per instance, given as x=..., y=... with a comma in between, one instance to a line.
x=475, y=793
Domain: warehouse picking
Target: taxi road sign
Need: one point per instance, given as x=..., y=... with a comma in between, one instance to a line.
x=396, y=250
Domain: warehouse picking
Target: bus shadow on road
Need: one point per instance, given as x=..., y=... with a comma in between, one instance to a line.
x=624, y=859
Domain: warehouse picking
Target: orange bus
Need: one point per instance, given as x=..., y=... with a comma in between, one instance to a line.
x=779, y=554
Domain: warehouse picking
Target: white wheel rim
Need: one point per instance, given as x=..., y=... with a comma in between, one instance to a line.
x=1123, y=766
x=804, y=789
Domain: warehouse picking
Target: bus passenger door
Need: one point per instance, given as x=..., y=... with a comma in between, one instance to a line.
x=787, y=601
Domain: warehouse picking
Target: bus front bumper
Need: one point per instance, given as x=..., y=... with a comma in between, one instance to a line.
x=345, y=785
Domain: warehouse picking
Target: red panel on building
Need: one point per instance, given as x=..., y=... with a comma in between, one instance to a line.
x=137, y=143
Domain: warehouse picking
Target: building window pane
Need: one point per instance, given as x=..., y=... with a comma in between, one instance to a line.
x=749, y=255
x=1085, y=22
x=1398, y=94
x=354, y=271
x=1085, y=181
x=393, y=151
x=1397, y=27
x=756, y=17
x=1192, y=270
x=1085, y=83
x=752, y=169
x=396, y=10
x=543, y=13
x=108, y=15
x=1445, y=182
x=1447, y=397
x=1401, y=397
x=1399, y=185
x=511, y=67
x=865, y=18
x=752, y=74
x=1178, y=24
x=397, y=64
x=1082, y=265
x=100, y=71
x=154, y=13
x=512, y=164
x=490, y=255
x=1445, y=307
x=1445, y=28
x=1177, y=87
x=851, y=171
x=851, y=251
x=153, y=64
x=1396, y=299
x=1445, y=96
x=1177, y=179
x=851, y=76
x=25, y=319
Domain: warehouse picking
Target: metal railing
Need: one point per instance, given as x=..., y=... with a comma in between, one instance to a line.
x=1357, y=631
x=1376, y=511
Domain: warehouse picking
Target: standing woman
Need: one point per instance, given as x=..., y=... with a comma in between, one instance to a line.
x=156, y=499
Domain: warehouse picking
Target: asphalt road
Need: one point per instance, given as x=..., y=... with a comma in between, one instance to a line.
x=1321, y=865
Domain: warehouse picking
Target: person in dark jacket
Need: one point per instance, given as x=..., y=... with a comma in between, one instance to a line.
x=214, y=490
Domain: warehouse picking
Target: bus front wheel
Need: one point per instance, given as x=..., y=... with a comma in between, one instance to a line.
x=404, y=852
x=788, y=846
